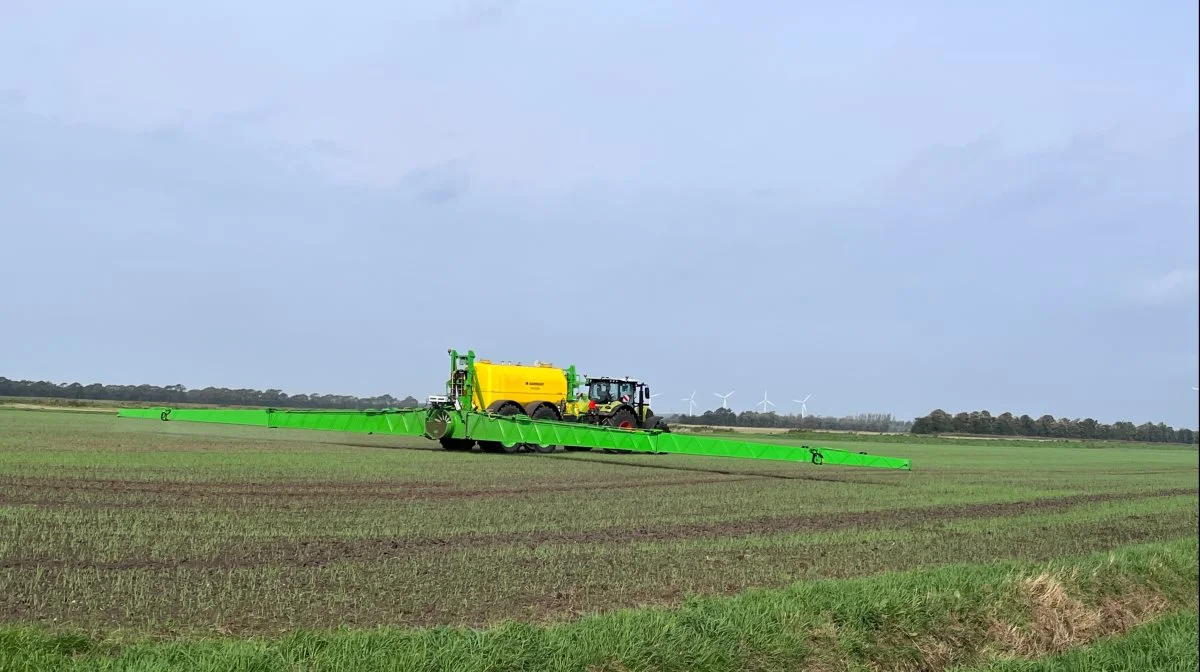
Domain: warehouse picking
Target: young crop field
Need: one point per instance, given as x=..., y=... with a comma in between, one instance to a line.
x=136, y=544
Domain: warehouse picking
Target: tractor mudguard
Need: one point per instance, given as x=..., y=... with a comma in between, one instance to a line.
x=656, y=422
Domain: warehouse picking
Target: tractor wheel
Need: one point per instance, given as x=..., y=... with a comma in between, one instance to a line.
x=623, y=418
x=543, y=413
x=457, y=444
x=496, y=446
x=661, y=425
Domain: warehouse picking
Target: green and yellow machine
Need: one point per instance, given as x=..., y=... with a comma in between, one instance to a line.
x=506, y=408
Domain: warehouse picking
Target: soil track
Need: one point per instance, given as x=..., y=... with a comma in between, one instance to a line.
x=320, y=552
x=25, y=490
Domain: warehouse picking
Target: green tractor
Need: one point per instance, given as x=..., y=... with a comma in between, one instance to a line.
x=622, y=403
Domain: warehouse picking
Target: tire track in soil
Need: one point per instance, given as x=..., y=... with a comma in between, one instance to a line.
x=310, y=553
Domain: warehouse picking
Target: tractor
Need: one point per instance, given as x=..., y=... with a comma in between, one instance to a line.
x=622, y=403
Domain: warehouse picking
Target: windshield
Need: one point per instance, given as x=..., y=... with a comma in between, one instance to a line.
x=601, y=392
x=606, y=391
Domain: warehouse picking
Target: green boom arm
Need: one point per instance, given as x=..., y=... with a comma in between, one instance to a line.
x=515, y=429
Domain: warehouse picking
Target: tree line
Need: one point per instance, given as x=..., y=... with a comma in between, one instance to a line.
x=1047, y=426
x=863, y=422
x=178, y=394
x=937, y=422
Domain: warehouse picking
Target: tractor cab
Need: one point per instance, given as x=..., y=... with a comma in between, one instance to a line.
x=621, y=402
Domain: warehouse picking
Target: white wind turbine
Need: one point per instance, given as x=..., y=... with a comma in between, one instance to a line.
x=765, y=402
x=691, y=401
x=803, y=406
x=724, y=398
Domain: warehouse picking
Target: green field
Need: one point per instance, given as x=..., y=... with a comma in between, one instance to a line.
x=147, y=545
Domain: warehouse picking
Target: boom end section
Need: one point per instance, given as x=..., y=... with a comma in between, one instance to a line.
x=860, y=459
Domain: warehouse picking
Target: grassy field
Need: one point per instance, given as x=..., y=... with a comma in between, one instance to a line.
x=126, y=541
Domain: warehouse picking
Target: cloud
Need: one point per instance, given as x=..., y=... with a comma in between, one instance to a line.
x=1176, y=284
x=436, y=185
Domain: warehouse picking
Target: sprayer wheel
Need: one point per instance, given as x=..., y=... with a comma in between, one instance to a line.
x=543, y=413
x=496, y=446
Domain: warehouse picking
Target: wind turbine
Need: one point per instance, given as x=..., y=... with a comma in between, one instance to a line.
x=691, y=403
x=724, y=398
x=765, y=402
x=803, y=407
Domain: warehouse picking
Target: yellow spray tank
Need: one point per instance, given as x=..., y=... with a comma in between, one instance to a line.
x=520, y=384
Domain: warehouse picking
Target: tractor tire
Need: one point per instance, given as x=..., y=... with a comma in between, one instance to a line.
x=543, y=413
x=660, y=424
x=622, y=418
x=508, y=408
x=459, y=445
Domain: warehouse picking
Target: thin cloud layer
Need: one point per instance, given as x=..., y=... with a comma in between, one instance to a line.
x=908, y=215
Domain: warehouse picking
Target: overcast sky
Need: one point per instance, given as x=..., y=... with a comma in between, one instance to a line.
x=892, y=206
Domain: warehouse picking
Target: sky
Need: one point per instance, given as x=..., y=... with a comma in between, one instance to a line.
x=893, y=207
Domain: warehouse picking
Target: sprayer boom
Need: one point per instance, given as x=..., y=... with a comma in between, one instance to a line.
x=458, y=430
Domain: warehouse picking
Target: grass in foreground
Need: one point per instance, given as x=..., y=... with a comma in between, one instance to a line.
x=924, y=620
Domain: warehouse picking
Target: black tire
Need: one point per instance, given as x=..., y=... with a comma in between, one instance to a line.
x=622, y=418
x=543, y=412
x=661, y=425
x=503, y=408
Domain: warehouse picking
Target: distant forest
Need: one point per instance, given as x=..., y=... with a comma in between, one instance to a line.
x=1006, y=424
x=937, y=422
x=865, y=422
x=178, y=394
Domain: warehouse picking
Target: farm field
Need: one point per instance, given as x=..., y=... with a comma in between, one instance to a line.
x=115, y=532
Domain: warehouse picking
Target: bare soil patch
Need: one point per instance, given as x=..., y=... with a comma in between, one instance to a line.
x=22, y=490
